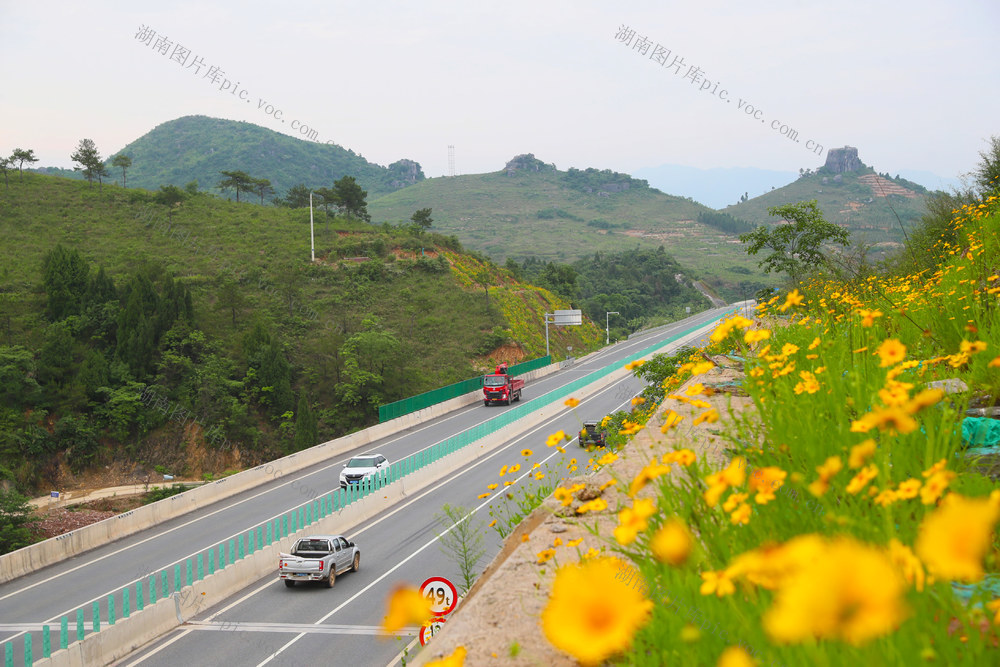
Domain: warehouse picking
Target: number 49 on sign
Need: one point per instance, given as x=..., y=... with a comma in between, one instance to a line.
x=441, y=593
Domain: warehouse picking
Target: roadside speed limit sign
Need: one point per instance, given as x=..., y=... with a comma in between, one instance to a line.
x=432, y=628
x=442, y=595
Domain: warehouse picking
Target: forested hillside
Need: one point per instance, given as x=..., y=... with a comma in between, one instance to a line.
x=193, y=334
x=641, y=286
x=197, y=148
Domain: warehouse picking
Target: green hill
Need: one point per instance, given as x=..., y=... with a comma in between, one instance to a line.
x=530, y=209
x=199, y=147
x=875, y=208
x=118, y=314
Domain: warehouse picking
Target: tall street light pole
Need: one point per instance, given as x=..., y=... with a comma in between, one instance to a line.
x=312, y=236
x=607, y=325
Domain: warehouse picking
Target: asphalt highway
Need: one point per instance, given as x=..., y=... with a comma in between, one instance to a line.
x=267, y=623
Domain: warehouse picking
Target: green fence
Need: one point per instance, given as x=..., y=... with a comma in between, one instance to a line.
x=442, y=394
x=156, y=585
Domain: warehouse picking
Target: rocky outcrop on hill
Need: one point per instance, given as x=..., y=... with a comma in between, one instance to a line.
x=405, y=172
x=527, y=162
x=839, y=160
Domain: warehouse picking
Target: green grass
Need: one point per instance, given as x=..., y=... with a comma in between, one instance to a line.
x=499, y=215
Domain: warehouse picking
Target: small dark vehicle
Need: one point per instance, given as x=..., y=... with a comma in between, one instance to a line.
x=593, y=435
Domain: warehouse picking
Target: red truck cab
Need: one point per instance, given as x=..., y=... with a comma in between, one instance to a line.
x=501, y=387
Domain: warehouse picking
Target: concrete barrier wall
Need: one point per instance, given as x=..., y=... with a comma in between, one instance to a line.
x=127, y=635
x=56, y=549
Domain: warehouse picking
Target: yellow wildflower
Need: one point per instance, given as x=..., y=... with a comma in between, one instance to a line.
x=733, y=500
x=908, y=489
x=633, y=520
x=595, y=505
x=793, y=299
x=456, y=659
x=720, y=583
x=861, y=479
x=735, y=656
x=406, y=607
x=908, y=563
x=935, y=486
x=672, y=543
x=564, y=496
x=765, y=482
x=891, y=352
x=592, y=614
x=868, y=316
x=849, y=592
x=711, y=416
x=670, y=420
x=695, y=389
x=756, y=335
x=741, y=515
x=555, y=438
x=608, y=458
x=826, y=471
x=702, y=367
x=924, y=399
x=788, y=349
x=953, y=539
x=861, y=452
x=808, y=385
x=545, y=556
x=646, y=475
x=684, y=457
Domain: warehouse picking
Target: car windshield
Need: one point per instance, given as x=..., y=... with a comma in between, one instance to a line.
x=494, y=380
x=362, y=462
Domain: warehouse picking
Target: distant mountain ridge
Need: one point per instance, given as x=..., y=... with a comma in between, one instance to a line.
x=199, y=147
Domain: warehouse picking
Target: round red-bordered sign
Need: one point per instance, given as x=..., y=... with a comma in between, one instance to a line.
x=433, y=627
x=442, y=594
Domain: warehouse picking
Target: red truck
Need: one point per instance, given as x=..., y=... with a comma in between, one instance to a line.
x=501, y=387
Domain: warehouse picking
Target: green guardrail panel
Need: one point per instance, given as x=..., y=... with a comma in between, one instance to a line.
x=441, y=394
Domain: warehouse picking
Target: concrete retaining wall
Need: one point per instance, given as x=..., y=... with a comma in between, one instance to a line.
x=57, y=549
x=127, y=635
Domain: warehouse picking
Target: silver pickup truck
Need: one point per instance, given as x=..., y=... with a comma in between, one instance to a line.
x=318, y=558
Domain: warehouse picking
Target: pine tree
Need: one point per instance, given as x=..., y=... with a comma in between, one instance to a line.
x=305, y=424
x=64, y=275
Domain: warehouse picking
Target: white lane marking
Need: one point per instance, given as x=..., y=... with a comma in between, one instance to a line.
x=243, y=626
x=500, y=491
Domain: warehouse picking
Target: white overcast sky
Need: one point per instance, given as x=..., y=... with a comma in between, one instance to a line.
x=913, y=85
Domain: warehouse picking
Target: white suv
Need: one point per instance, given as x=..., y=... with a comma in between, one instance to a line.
x=360, y=467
